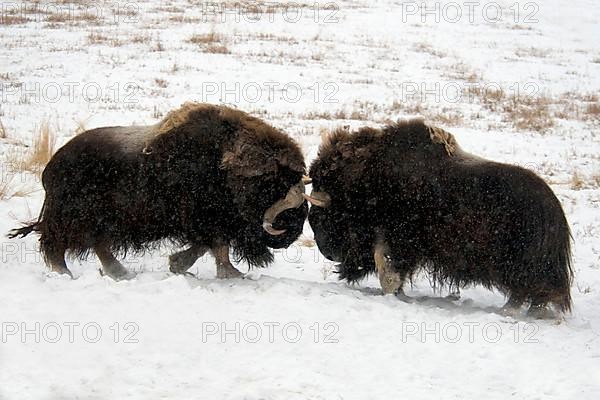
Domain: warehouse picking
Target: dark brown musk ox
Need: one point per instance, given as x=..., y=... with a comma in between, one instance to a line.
x=207, y=177
x=407, y=198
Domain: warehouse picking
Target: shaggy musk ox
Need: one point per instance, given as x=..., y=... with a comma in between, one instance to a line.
x=208, y=177
x=407, y=198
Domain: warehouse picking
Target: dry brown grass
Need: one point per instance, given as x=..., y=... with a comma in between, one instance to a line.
x=17, y=160
x=44, y=144
x=11, y=166
x=328, y=115
x=81, y=125
x=143, y=38
x=14, y=159
x=211, y=42
x=463, y=72
x=272, y=38
x=447, y=118
x=8, y=190
x=161, y=83
x=593, y=110
x=578, y=106
x=358, y=115
x=524, y=112
x=157, y=113
x=591, y=97
x=73, y=18
x=533, y=52
x=2, y=130
x=97, y=37
x=217, y=49
x=577, y=181
x=205, y=38
x=429, y=49
x=313, y=115
x=158, y=45
x=184, y=19
x=532, y=113
x=7, y=19
x=168, y=9
x=407, y=107
x=490, y=97
x=6, y=186
x=54, y=16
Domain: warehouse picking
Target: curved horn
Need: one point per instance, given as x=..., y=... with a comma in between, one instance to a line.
x=319, y=199
x=293, y=199
x=307, y=180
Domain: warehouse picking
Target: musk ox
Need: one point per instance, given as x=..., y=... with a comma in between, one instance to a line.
x=407, y=198
x=208, y=177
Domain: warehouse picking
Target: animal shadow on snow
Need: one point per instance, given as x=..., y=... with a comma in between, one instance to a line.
x=451, y=303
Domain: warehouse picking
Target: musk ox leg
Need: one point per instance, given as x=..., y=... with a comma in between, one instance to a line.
x=390, y=280
x=514, y=302
x=181, y=261
x=56, y=262
x=110, y=265
x=512, y=305
x=225, y=269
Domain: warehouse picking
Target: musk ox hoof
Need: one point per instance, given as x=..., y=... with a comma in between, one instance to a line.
x=228, y=272
x=541, y=312
x=509, y=311
x=453, y=296
x=121, y=275
x=63, y=273
x=390, y=283
x=400, y=295
x=179, y=271
x=181, y=261
x=186, y=273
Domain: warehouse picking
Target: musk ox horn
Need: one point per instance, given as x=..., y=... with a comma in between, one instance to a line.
x=307, y=180
x=293, y=199
x=319, y=199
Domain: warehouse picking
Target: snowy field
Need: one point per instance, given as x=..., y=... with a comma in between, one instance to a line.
x=516, y=82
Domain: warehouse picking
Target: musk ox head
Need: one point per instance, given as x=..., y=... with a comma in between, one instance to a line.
x=265, y=172
x=349, y=179
x=335, y=195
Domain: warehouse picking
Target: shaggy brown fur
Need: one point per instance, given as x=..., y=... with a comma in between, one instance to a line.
x=463, y=219
x=205, y=174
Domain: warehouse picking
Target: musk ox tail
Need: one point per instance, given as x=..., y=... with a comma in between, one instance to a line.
x=549, y=258
x=30, y=227
x=24, y=231
x=27, y=229
x=557, y=248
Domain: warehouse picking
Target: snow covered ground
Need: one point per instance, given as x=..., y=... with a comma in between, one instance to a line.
x=519, y=85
